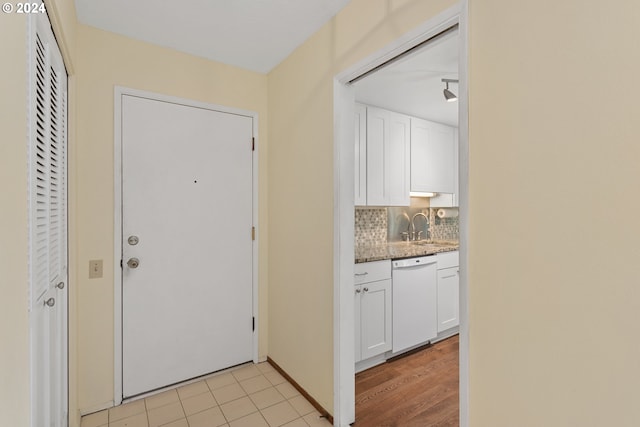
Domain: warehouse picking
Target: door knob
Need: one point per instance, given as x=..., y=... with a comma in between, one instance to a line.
x=133, y=263
x=50, y=302
x=60, y=285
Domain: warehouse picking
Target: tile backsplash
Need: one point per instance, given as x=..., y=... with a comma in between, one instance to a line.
x=372, y=225
x=443, y=228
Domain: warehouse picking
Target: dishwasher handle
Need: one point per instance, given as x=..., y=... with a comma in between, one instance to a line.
x=413, y=262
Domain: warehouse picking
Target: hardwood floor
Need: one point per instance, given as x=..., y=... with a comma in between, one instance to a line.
x=419, y=390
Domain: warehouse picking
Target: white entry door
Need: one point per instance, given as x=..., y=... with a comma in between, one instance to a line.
x=186, y=242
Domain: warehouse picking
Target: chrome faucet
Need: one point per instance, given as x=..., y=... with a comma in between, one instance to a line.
x=405, y=234
x=413, y=226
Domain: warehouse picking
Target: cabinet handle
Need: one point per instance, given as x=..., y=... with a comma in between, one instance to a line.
x=358, y=290
x=365, y=290
x=362, y=274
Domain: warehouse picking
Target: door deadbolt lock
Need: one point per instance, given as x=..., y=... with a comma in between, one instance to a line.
x=133, y=240
x=133, y=263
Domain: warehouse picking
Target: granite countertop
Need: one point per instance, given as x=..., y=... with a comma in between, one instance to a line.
x=397, y=250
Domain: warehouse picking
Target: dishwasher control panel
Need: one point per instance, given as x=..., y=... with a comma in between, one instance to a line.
x=410, y=262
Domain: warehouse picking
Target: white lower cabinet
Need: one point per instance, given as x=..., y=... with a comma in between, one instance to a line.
x=375, y=318
x=448, y=291
x=448, y=306
x=372, y=309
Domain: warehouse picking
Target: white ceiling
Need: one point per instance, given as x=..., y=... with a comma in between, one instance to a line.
x=252, y=34
x=258, y=34
x=413, y=84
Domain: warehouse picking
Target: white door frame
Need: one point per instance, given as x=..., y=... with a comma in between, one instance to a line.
x=344, y=99
x=117, y=247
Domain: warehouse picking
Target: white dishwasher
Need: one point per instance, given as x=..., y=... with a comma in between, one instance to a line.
x=415, y=299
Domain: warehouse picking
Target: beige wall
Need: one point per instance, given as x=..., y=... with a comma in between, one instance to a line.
x=555, y=160
x=301, y=182
x=106, y=60
x=14, y=319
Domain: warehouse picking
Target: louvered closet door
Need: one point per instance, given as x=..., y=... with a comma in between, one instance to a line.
x=48, y=225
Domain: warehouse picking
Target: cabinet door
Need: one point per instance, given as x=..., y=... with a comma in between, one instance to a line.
x=375, y=318
x=448, y=300
x=388, y=152
x=432, y=157
x=356, y=323
x=447, y=200
x=360, y=171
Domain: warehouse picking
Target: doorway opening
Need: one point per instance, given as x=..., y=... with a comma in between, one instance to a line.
x=345, y=96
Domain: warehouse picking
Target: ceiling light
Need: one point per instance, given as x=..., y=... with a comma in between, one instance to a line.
x=448, y=95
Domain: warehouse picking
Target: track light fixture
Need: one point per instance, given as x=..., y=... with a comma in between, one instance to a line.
x=448, y=95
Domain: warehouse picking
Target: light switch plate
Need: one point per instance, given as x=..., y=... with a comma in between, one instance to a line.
x=95, y=269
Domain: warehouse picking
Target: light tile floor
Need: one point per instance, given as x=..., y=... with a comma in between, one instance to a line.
x=247, y=396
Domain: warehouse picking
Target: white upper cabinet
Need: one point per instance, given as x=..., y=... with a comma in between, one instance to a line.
x=397, y=154
x=446, y=200
x=434, y=160
x=360, y=171
x=388, y=154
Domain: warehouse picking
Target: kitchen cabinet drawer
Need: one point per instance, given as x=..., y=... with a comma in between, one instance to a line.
x=372, y=271
x=448, y=259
